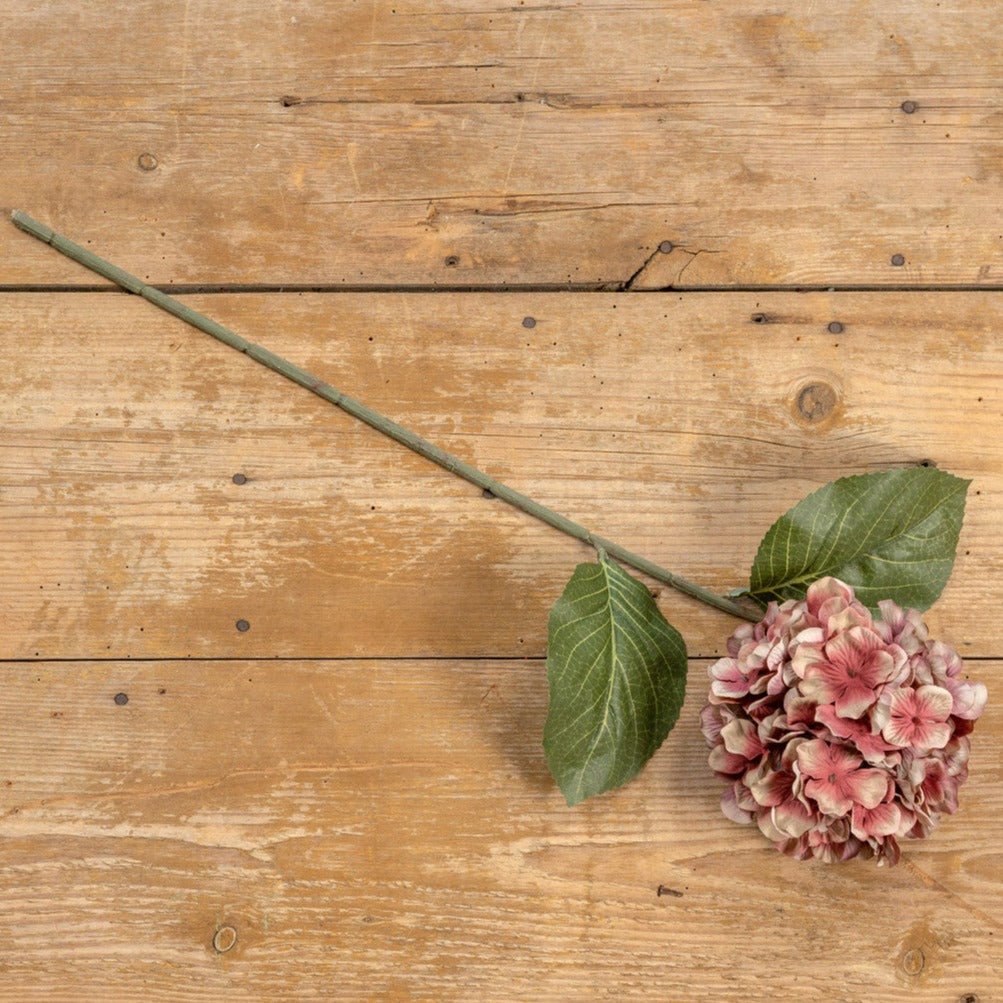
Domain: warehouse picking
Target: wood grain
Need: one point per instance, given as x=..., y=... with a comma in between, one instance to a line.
x=388, y=830
x=475, y=143
x=680, y=427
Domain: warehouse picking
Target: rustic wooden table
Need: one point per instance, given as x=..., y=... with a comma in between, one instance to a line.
x=274, y=687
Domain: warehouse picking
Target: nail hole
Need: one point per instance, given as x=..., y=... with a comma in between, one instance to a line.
x=290, y=99
x=243, y=626
x=760, y=318
x=121, y=699
x=488, y=493
x=239, y=478
x=451, y=261
x=224, y=939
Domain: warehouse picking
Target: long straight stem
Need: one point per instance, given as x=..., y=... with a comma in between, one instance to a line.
x=359, y=410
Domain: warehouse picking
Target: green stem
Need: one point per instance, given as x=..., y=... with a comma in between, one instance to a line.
x=359, y=410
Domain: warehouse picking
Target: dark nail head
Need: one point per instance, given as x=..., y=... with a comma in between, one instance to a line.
x=909, y=107
x=529, y=322
x=898, y=260
x=666, y=246
x=239, y=479
x=121, y=699
x=243, y=626
x=835, y=327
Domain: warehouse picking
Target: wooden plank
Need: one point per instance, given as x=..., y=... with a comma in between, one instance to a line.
x=681, y=427
x=388, y=830
x=478, y=143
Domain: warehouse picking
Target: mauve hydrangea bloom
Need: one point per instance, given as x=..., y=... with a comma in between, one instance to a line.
x=837, y=732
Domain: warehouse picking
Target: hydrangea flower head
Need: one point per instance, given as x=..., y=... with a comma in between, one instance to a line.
x=837, y=732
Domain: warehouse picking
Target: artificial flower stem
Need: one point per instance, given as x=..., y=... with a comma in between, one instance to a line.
x=372, y=418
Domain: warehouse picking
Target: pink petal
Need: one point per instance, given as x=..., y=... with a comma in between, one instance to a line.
x=873, y=748
x=729, y=806
x=822, y=682
x=792, y=818
x=813, y=758
x=829, y=797
x=884, y=664
x=770, y=788
x=892, y=614
x=722, y=761
x=851, y=648
x=933, y=703
x=883, y=820
x=740, y=738
x=855, y=699
x=710, y=724
x=798, y=709
x=767, y=827
x=867, y=787
x=827, y=588
x=955, y=755
x=969, y=700
x=931, y=735
x=840, y=727
x=850, y=616
x=806, y=656
x=728, y=680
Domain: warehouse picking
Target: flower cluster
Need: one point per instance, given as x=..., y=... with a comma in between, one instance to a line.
x=838, y=732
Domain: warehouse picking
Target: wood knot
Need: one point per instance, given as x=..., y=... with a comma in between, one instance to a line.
x=814, y=402
x=147, y=162
x=224, y=939
x=913, y=961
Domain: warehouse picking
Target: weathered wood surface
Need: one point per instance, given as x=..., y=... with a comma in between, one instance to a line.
x=348, y=799
x=388, y=830
x=486, y=143
x=680, y=426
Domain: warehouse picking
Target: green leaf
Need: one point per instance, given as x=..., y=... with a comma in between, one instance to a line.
x=891, y=535
x=617, y=674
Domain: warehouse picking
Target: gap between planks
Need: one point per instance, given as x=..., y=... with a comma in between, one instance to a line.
x=190, y=289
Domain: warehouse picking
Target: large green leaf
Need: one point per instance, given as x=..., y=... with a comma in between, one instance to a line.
x=617, y=673
x=891, y=535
